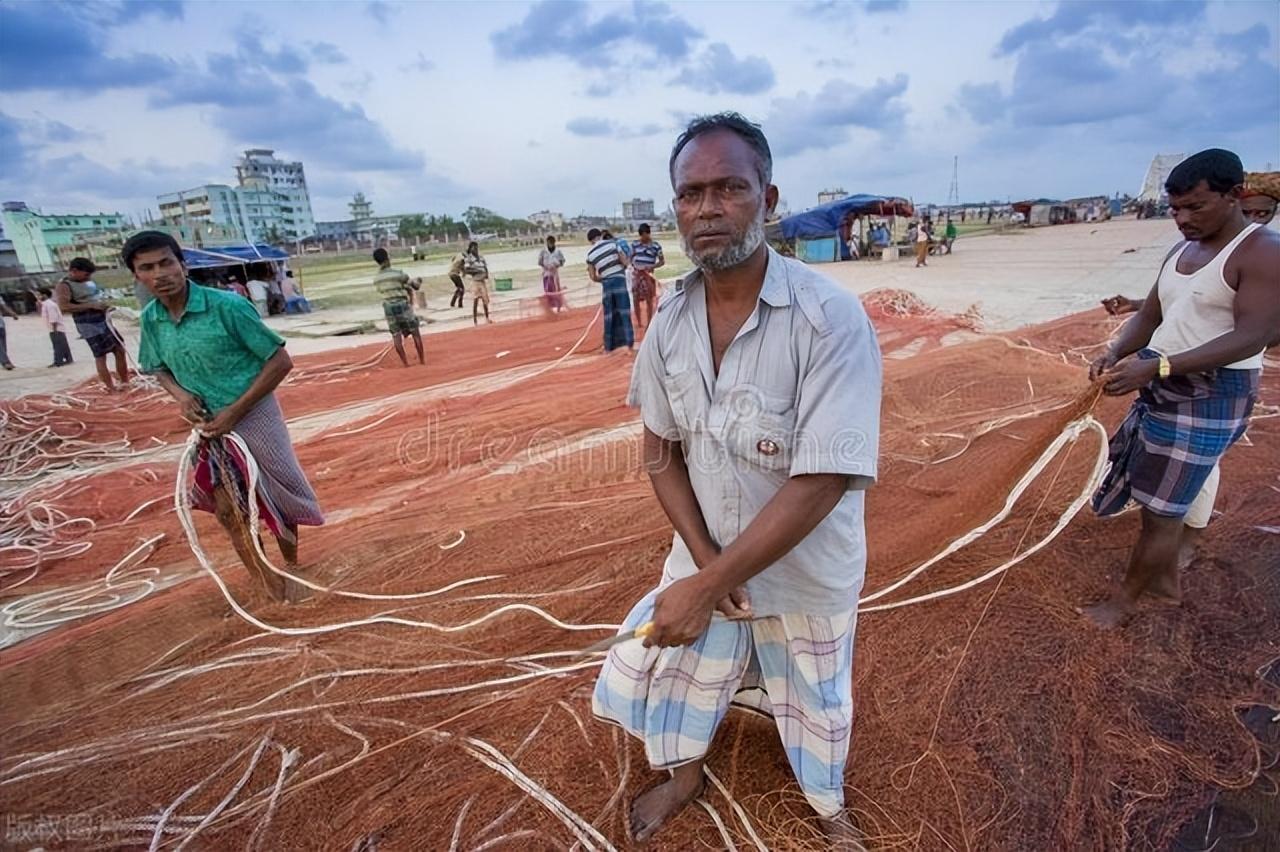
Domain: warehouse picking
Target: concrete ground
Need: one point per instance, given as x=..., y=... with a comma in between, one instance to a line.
x=1016, y=278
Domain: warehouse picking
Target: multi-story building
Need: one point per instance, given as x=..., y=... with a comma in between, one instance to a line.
x=638, y=210
x=270, y=202
x=547, y=219
x=37, y=236
x=363, y=226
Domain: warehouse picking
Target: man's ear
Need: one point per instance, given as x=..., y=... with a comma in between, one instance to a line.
x=770, y=200
x=1237, y=191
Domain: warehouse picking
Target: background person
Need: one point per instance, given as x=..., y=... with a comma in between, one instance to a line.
x=607, y=265
x=57, y=326
x=78, y=295
x=551, y=259
x=396, y=290
x=477, y=269
x=5, y=311
x=646, y=256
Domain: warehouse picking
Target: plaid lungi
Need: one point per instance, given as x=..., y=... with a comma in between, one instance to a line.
x=285, y=498
x=796, y=668
x=95, y=329
x=1174, y=434
x=617, y=313
x=400, y=316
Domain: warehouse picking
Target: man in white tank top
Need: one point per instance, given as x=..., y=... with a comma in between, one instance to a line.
x=1193, y=352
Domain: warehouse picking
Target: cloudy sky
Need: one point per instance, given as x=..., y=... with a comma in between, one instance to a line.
x=573, y=106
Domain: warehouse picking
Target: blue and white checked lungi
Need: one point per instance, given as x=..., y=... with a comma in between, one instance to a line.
x=1176, y=431
x=796, y=668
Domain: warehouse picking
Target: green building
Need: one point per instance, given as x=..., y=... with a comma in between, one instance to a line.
x=37, y=236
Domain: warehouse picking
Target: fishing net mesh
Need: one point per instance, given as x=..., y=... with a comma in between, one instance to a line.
x=990, y=717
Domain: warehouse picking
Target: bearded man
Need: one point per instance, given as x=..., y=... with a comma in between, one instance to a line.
x=759, y=387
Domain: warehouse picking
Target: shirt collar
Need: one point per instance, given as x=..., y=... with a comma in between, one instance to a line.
x=197, y=302
x=776, y=289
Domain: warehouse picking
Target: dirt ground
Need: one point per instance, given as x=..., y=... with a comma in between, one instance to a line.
x=1017, y=278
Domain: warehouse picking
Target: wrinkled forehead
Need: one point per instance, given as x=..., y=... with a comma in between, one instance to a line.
x=715, y=156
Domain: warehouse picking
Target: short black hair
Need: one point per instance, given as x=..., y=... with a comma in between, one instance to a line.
x=643, y=229
x=82, y=264
x=606, y=234
x=1217, y=167
x=149, y=241
x=594, y=233
x=734, y=122
x=380, y=256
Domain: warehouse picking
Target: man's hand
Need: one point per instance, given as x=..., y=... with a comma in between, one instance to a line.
x=191, y=408
x=1117, y=305
x=681, y=613
x=1130, y=374
x=736, y=605
x=221, y=423
x=1101, y=364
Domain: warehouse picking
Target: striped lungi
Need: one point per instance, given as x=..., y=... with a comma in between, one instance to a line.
x=1175, y=433
x=285, y=498
x=796, y=668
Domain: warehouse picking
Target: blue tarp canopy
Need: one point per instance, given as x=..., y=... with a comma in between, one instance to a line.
x=825, y=220
x=209, y=258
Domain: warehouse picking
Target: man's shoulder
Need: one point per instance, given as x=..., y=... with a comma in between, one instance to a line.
x=827, y=305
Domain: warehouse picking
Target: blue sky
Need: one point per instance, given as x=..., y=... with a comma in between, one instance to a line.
x=573, y=106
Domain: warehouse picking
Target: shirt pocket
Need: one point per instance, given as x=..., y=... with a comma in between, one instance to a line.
x=762, y=433
x=687, y=399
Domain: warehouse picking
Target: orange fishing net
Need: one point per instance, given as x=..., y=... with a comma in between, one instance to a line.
x=989, y=714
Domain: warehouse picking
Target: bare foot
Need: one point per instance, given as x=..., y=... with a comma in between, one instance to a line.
x=1166, y=588
x=1109, y=614
x=842, y=835
x=652, y=809
x=294, y=592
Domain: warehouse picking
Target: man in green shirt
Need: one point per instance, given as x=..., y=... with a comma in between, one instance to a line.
x=213, y=354
x=396, y=290
x=950, y=235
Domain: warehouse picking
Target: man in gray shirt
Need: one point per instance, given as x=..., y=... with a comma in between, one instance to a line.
x=759, y=387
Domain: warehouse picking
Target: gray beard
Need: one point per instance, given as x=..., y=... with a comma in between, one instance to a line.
x=734, y=254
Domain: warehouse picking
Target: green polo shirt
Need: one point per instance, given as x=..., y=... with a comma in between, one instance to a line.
x=216, y=348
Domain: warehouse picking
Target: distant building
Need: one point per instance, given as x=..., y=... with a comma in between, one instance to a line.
x=1157, y=174
x=270, y=201
x=638, y=210
x=363, y=226
x=547, y=219
x=829, y=195
x=37, y=236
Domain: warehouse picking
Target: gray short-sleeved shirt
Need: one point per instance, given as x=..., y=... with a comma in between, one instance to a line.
x=798, y=393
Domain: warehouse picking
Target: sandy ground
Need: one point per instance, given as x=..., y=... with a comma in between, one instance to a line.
x=1016, y=278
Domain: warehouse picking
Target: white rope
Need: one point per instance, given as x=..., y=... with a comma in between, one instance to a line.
x=182, y=503
x=497, y=761
x=1070, y=434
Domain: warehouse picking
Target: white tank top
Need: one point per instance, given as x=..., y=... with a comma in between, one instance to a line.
x=1198, y=307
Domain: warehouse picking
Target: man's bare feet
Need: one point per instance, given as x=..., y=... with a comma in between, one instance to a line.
x=294, y=592
x=1167, y=587
x=653, y=808
x=842, y=835
x=1110, y=613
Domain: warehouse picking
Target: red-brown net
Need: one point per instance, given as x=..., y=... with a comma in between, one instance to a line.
x=988, y=717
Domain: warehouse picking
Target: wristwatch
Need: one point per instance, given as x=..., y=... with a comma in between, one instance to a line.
x=1165, y=367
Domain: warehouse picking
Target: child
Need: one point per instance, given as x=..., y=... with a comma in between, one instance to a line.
x=57, y=328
